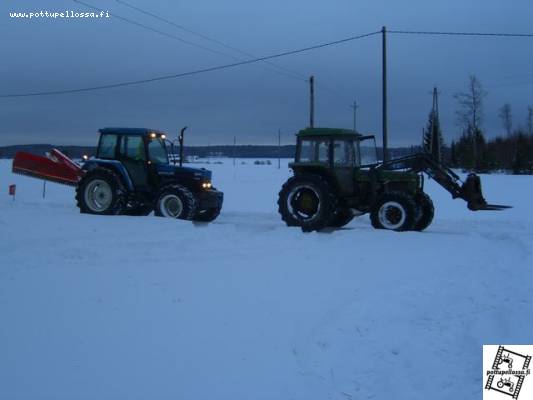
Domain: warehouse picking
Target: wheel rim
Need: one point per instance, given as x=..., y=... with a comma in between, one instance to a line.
x=392, y=215
x=303, y=203
x=98, y=195
x=171, y=206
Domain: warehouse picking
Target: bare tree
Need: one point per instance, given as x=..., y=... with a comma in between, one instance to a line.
x=530, y=120
x=507, y=118
x=470, y=112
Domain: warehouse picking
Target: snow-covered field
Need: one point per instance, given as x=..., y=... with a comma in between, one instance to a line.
x=246, y=308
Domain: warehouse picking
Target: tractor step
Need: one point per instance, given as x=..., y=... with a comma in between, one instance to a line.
x=56, y=167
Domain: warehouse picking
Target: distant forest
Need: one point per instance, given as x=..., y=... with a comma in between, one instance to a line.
x=511, y=152
x=249, y=151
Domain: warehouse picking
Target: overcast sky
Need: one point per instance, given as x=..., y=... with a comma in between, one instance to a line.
x=252, y=102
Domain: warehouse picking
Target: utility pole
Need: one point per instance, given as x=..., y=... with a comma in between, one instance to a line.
x=234, y=148
x=355, y=107
x=384, y=95
x=312, y=102
x=279, y=148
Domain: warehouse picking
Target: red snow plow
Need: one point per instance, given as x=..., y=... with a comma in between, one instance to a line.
x=55, y=167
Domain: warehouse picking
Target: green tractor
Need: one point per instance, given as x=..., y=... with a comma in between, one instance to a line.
x=336, y=178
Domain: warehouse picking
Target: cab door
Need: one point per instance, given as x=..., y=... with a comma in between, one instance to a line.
x=132, y=154
x=344, y=165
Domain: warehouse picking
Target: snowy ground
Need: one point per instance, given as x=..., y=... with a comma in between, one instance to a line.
x=246, y=308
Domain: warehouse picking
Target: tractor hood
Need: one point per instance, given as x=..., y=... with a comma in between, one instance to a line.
x=200, y=174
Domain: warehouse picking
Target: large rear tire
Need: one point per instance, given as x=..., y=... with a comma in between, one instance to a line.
x=100, y=192
x=307, y=201
x=394, y=211
x=426, y=211
x=175, y=201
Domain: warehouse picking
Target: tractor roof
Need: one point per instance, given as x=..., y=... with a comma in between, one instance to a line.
x=312, y=132
x=129, y=131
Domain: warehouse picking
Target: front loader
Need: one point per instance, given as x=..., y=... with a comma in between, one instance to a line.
x=334, y=181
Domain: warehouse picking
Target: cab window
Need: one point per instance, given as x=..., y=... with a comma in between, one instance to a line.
x=157, y=151
x=344, y=153
x=107, y=147
x=316, y=151
x=132, y=147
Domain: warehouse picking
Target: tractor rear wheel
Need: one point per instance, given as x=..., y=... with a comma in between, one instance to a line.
x=100, y=191
x=343, y=216
x=175, y=201
x=307, y=201
x=426, y=211
x=394, y=211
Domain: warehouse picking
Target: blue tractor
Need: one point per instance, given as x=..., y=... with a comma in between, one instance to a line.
x=132, y=175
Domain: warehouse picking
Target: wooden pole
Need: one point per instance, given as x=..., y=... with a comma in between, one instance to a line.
x=312, y=102
x=355, y=107
x=279, y=148
x=384, y=96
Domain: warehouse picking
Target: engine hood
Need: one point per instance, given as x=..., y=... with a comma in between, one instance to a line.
x=191, y=173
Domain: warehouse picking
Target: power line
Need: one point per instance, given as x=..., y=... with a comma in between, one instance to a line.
x=160, y=32
x=443, y=33
x=195, y=72
x=129, y=21
x=276, y=68
x=205, y=37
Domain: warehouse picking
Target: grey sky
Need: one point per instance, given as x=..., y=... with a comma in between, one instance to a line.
x=252, y=101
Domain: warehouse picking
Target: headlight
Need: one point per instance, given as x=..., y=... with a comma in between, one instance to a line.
x=206, y=185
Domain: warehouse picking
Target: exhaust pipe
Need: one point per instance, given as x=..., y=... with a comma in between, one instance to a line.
x=182, y=133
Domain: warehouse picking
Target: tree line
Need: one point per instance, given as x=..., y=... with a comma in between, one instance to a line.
x=512, y=152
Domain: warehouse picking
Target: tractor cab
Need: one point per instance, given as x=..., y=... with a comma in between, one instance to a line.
x=141, y=156
x=339, y=154
x=335, y=148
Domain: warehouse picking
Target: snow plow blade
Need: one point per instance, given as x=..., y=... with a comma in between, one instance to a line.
x=56, y=167
x=472, y=193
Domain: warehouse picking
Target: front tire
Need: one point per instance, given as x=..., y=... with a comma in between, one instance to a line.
x=175, y=201
x=394, y=211
x=307, y=201
x=100, y=192
x=426, y=211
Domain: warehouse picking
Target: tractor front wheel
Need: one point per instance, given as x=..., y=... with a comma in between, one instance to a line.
x=426, y=211
x=175, y=201
x=307, y=201
x=100, y=191
x=394, y=211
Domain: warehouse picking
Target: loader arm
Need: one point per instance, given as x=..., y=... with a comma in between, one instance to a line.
x=469, y=190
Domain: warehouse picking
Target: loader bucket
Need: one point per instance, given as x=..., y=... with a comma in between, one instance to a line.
x=471, y=192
